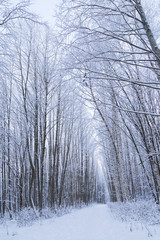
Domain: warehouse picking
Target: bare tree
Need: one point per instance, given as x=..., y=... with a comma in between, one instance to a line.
x=116, y=57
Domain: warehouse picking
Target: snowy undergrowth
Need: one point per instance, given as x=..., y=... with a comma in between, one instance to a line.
x=27, y=216
x=146, y=212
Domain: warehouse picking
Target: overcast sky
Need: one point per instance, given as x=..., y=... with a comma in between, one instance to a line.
x=44, y=8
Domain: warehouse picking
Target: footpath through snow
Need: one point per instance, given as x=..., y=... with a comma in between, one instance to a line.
x=92, y=223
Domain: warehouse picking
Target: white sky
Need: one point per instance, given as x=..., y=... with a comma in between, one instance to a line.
x=44, y=8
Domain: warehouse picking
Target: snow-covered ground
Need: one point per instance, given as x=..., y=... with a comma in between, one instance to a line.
x=91, y=223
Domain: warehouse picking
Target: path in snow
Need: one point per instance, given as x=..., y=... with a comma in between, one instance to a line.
x=92, y=223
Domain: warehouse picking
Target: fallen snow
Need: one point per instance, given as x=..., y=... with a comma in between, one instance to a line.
x=92, y=223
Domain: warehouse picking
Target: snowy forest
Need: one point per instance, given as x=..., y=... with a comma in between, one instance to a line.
x=80, y=109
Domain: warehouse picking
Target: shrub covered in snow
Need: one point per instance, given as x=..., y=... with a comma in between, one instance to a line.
x=26, y=217
x=141, y=211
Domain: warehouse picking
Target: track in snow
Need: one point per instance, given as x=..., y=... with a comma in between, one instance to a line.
x=92, y=223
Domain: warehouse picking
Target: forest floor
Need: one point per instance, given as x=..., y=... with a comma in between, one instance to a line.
x=90, y=223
